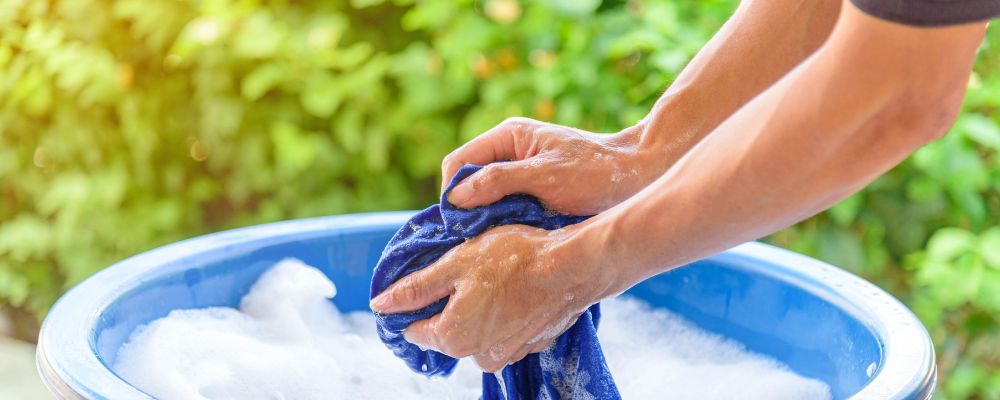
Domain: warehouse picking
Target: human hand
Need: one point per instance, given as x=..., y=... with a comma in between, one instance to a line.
x=569, y=170
x=514, y=289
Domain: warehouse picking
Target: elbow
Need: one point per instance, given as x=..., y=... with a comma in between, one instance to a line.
x=923, y=115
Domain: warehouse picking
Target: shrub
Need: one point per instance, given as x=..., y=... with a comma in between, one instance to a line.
x=127, y=124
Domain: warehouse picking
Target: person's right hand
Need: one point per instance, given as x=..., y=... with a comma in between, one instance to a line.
x=569, y=170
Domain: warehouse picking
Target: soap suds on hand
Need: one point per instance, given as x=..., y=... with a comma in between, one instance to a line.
x=288, y=341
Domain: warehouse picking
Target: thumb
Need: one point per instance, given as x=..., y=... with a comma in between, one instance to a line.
x=417, y=290
x=506, y=141
x=493, y=182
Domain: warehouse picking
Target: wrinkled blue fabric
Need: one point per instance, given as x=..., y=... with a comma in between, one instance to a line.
x=572, y=368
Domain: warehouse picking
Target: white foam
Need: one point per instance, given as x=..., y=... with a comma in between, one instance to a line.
x=657, y=354
x=287, y=341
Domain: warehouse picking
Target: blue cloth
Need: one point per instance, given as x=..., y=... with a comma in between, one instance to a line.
x=572, y=368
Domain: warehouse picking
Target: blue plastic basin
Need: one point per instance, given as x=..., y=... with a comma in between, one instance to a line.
x=823, y=322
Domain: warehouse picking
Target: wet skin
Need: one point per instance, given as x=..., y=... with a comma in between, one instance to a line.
x=793, y=106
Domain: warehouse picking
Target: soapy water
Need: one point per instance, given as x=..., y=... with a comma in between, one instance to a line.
x=288, y=341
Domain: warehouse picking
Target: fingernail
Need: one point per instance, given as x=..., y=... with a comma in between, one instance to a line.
x=379, y=303
x=460, y=194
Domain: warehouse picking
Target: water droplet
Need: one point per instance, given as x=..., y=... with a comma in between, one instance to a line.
x=496, y=352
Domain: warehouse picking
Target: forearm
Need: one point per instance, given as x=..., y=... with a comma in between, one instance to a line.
x=762, y=41
x=873, y=94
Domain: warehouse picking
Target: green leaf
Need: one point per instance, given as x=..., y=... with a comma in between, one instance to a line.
x=950, y=243
x=989, y=292
x=14, y=288
x=261, y=80
x=923, y=188
x=844, y=212
x=377, y=150
x=981, y=129
x=365, y=3
x=322, y=95
x=989, y=247
x=574, y=7
x=259, y=36
x=26, y=236
x=294, y=150
x=841, y=248
x=953, y=283
x=964, y=380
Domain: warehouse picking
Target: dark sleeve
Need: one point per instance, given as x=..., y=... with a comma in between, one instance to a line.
x=931, y=12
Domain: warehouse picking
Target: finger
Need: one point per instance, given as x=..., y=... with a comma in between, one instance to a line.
x=439, y=334
x=423, y=333
x=493, y=182
x=499, y=143
x=488, y=363
x=497, y=357
x=552, y=333
x=510, y=350
x=417, y=290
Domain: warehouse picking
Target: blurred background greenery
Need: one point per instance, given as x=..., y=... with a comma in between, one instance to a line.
x=128, y=124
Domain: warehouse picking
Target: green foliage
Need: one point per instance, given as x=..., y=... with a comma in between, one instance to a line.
x=126, y=124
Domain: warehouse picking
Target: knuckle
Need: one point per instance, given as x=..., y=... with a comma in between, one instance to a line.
x=449, y=161
x=511, y=122
x=490, y=176
x=519, y=125
x=410, y=291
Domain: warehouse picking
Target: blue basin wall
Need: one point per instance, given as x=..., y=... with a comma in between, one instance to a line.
x=823, y=322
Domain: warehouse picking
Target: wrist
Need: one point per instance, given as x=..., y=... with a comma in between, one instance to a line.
x=586, y=256
x=674, y=125
x=652, y=146
x=639, y=162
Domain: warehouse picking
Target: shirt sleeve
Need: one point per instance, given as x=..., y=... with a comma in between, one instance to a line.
x=931, y=12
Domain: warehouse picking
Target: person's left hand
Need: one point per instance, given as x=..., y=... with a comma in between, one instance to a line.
x=514, y=289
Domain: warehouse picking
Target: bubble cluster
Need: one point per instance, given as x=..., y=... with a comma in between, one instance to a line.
x=287, y=340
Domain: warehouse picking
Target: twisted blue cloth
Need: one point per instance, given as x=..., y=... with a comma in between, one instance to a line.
x=572, y=368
